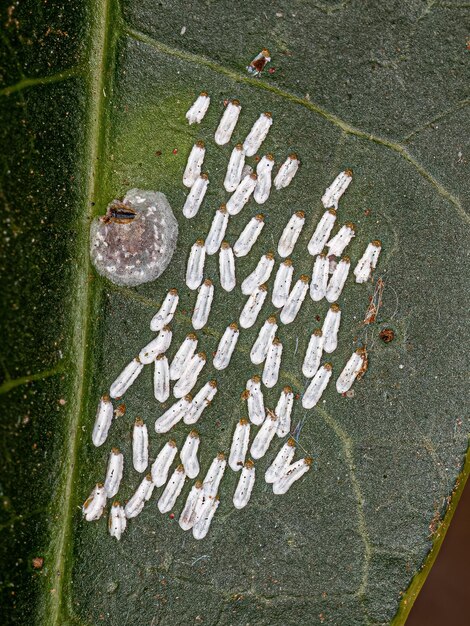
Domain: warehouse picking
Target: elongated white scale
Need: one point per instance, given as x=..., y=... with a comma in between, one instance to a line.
x=293, y=473
x=198, y=109
x=172, y=490
x=272, y=363
x=282, y=283
x=242, y=194
x=195, y=267
x=126, y=378
x=337, y=280
x=235, y=166
x=161, y=378
x=248, y=236
x=330, y=328
x=157, y=346
x=287, y=171
x=255, y=401
x=290, y=234
x=263, y=341
x=257, y=134
x=368, y=262
x=202, y=308
x=351, y=370
x=264, y=436
x=227, y=267
x=162, y=463
x=319, y=278
x=195, y=196
x=188, y=454
x=188, y=514
x=317, y=386
x=333, y=193
x=313, y=354
x=295, y=300
x=103, y=419
x=245, y=485
x=202, y=525
x=226, y=347
x=282, y=461
x=200, y=401
x=182, y=356
x=322, y=232
x=240, y=441
x=190, y=375
x=259, y=275
x=264, y=170
x=217, y=230
x=114, y=472
x=214, y=476
x=284, y=410
x=165, y=313
x=338, y=243
x=173, y=415
x=140, y=446
x=193, y=166
x=93, y=506
x=253, y=306
x=135, y=505
x=117, y=521
x=227, y=123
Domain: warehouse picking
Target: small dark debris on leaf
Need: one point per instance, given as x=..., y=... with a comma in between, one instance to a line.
x=38, y=562
x=387, y=335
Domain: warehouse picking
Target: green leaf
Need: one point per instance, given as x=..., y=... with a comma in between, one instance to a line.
x=93, y=94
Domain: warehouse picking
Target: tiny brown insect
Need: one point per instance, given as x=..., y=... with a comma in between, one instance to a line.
x=387, y=335
x=119, y=213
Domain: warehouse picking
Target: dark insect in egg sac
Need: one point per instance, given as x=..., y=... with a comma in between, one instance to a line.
x=119, y=213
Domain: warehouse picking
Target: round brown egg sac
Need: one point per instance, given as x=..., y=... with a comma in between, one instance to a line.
x=140, y=250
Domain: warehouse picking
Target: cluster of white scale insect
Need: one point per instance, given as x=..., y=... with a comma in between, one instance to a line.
x=327, y=281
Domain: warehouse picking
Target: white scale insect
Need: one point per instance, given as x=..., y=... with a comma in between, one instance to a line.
x=313, y=354
x=242, y=194
x=340, y=241
x=142, y=494
x=202, y=308
x=248, y=236
x=172, y=490
x=255, y=401
x=263, y=341
x=93, y=506
x=103, y=420
x=330, y=328
x=293, y=473
x=227, y=267
x=368, y=262
x=235, y=167
x=294, y=301
x=162, y=463
x=282, y=283
x=281, y=462
x=337, y=280
x=319, y=278
x=226, y=347
x=114, y=472
x=239, y=448
x=253, y=306
x=333, y=193
x=317, y=386
x=201, y=400
x=126, y=378
x=264, y=436
x=214, y=476
x=195, y=196
x=194, y=164
x=188, y=514
x=217, y=230
x=158, y=345
x=287, y=171
x=351, y=370
x=272, y=363
x=284, y=410
x=182, y=356
x=195, y=267
x=165, y=313
x=257, y=134
x=259, y=275
x=190, y=375
x=290, y=234
x=173, y=415
x=161, y=378
x=264, y=170
x=188, y=454
x=117, y=521
x=227, y=123
x=140, y=445
x=198, y=109
x=322, y=232
x=204, y=518
x=245, y=485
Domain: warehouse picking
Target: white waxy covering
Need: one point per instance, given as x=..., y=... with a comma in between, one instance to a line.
x=293, y=473
x=195, y=196
x=240, y=441
x=188, y=454
x=259, y=275
x=272, y=363
x=284, y=410
x=235, y=166
x=333, y=193
x=161, y=379
x=245, y=485
x=294, y=301
x=214, y=476
x=165, y=313
x=140, y=446
x=93, y=506
x=103, y=419
x=263, y=341
x=322, y=232
x=319, y=278
x=337, y=280
x=264, y=170
x=126, y=378
x=227, y=267
x=194, y=164
x=158, y=345
x=162, y=463
x=290, y=234
x=264, y=436
x=248, y=236
x=253, y=306
x=182, y=356
x=114, y=472
x=330, y=328
x=195, y=267
x=242, y=194
x=172, y=490
x=204, y=518
x=282, y=461
x=257, y=134
x=117, y=521
x=351, y=370
x=282, y=283
x=202, y=308
x=173, y=415
x=198, y=109
x=313, y=354
x=368, y=262
x=217, y=230
x=287, y=171
x=226, y=347
x=188, y=514
x=340, y=241
x=227, y=123
x=255, y=401
x=136, y=503
x=201, y=400
x=190, y=375
x=317, y=386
